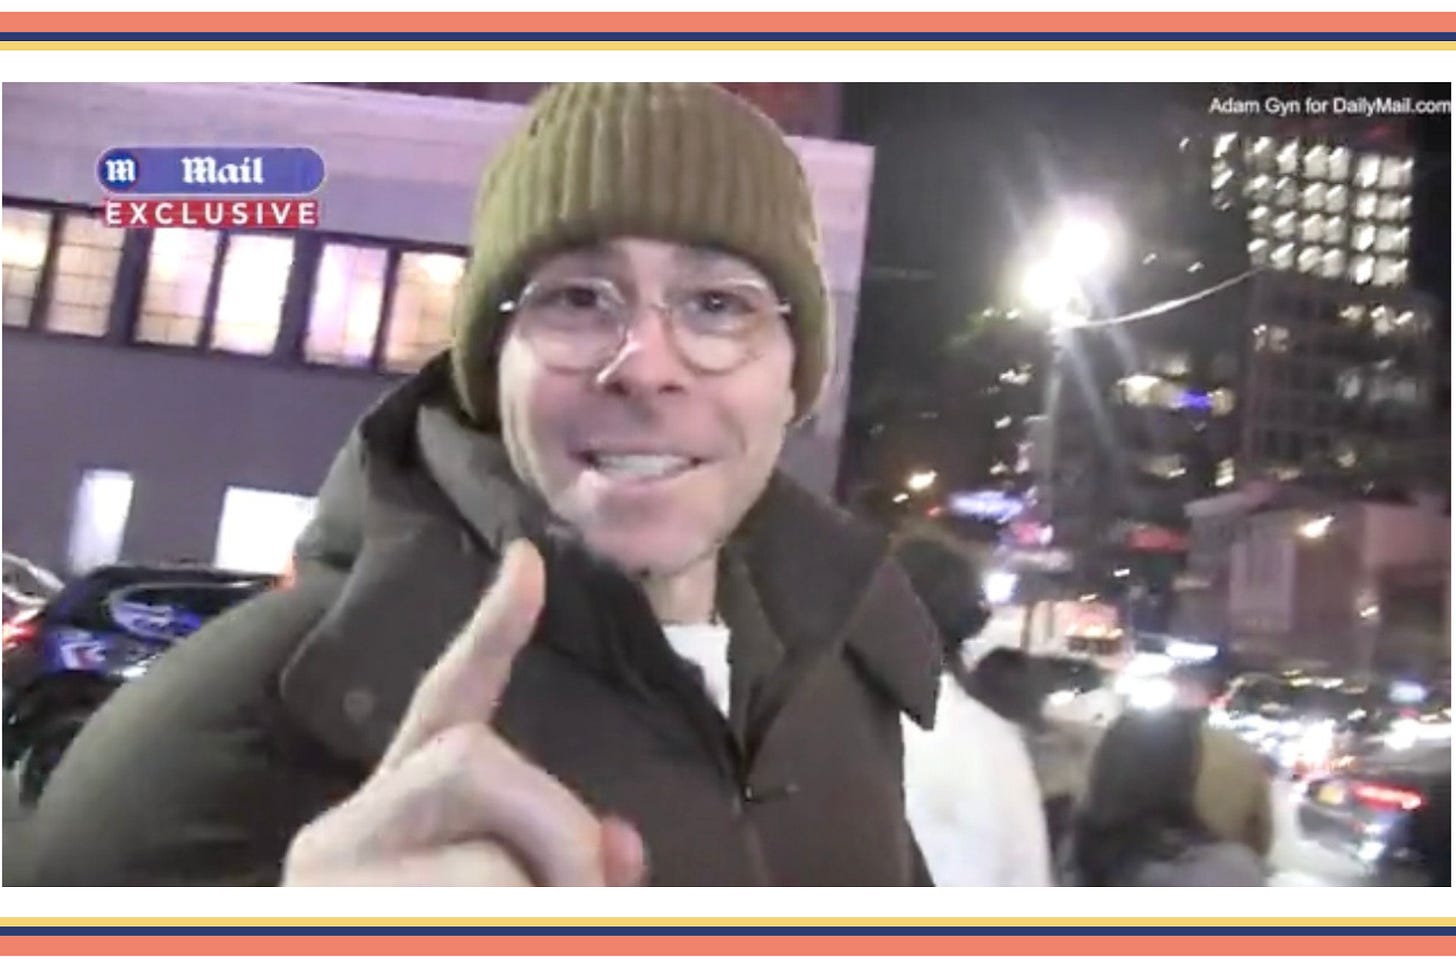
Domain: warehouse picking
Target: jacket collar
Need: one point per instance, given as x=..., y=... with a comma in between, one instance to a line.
x=417, y=489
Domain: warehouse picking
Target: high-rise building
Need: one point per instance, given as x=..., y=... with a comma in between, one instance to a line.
x=1341, y=377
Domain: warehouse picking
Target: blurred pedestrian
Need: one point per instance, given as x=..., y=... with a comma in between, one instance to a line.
x=1233, y=795
x=1138, y=825
x=970, y=792
x=1013, y=685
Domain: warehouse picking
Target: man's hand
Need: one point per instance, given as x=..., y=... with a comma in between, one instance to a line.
x=451, y=804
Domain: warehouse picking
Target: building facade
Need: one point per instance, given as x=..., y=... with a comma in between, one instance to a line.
x=167, y=390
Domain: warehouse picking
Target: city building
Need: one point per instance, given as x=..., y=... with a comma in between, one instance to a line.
x=178, y=393
x=1342, y=380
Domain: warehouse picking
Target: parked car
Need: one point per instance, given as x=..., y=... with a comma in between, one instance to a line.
x=1390, y=810
x=26, y=585
x=62, y=659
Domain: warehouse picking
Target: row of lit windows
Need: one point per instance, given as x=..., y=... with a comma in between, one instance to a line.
x=1331, y=263
x=1333, y=163
x=1333, y=200
x=1153, y=391
x=246, y=276
x=1362, y=237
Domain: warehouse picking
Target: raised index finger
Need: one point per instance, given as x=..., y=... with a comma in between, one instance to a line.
x=467, y=681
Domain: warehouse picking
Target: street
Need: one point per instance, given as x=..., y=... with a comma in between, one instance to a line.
x=1298, y=862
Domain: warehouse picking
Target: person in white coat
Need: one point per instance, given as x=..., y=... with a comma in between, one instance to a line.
x=971, y=795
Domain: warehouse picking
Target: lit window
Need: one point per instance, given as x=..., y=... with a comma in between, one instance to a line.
x=1362, y=269
x=259, y=528
x=1367, y=171
x=1224, y=477
x=419, y=320
x=1279, y=340
x=1317, y=162
x=1221, y=402
x=1141, y=389
x=1259, y=252
x=98, y=522
x=1335, y=230
x=1382, y=320
x=1345, y=455
x=1365, y=205
x=1282, y=258
x=346, y=302
x=1389, y=208
x=1402, y=209
x=1286, y=192
x=1332, y=266
x=1339, y=165
x=1352, y=314
x=85, y=276
x=1003, y=422
x=1287, y=160
x=1284, y=225
x=1313, y=196
x=1259, y=220
x=1261, y=152
x=1362, y=239
x=1395, y=173
x=1350, y=384
x=1309, y=259
x=1224, y=143
x=1389, y=239
x=24, y=235
x=1260, y=188
x=1223, y=174
x=1390, y=272
x=1337, y=199
x=1165, y=466
x=250, y=296
x=1312, y=230
x=174, y=298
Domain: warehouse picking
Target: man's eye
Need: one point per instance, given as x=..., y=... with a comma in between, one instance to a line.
x=573, y=297
x=724, y=302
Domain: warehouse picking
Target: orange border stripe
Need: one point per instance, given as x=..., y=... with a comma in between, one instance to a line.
x=748, y=946
x=731, y=22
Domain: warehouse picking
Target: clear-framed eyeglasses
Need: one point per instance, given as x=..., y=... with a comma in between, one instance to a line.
x=581, y=323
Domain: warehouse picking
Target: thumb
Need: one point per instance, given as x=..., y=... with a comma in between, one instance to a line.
x=467, y=681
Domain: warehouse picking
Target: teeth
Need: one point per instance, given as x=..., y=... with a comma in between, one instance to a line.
x=640, y=466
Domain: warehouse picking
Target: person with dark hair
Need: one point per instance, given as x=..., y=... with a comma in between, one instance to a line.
x=1138, y=825
x=1010, y=683
x=970, y=792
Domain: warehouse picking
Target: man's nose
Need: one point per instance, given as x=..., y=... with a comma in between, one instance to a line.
x=648, y=362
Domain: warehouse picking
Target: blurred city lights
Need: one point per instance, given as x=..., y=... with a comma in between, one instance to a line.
x=999, y=586
x=920, y=481
x=1317, y=528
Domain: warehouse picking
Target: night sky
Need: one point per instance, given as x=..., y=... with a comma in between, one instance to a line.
x=963, y=174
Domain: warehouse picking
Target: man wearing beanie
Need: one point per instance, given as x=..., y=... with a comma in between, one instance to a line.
x=557, y=621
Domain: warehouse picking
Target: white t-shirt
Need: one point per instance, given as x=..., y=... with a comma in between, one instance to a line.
x=971, y=797
x=705, y=646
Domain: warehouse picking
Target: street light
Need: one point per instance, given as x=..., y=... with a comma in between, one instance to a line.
x=920, y=481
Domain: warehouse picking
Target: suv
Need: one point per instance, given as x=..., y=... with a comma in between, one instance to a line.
x=66, y=657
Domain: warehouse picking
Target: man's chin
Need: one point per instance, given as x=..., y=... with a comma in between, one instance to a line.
x=642, y=556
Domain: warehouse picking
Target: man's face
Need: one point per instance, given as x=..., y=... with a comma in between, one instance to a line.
x=653, y=460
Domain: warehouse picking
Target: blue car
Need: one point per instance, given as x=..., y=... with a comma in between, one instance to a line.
x=62, y=660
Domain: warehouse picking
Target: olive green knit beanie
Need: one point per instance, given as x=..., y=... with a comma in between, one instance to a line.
x=688, y=163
